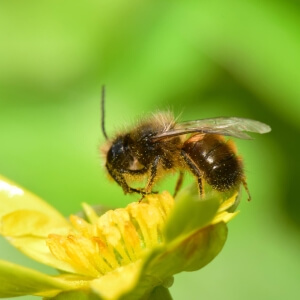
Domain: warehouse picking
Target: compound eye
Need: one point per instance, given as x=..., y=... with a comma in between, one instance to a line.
x=118, y=155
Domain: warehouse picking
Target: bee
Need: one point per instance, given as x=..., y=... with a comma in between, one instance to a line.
x=159, y=145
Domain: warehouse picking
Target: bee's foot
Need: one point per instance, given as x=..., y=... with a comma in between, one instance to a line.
x=144, y=194
x=141, y=192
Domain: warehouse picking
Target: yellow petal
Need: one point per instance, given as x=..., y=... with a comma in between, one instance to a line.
x=37, y=249
x=31, y=223
x=230, y=202
x=13, y=198
x=90, y=213
x=118, y=282
x=17, y=281
x=26, y=221
x=224, y=217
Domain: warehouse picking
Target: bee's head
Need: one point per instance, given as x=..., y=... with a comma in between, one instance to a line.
x=119, y=154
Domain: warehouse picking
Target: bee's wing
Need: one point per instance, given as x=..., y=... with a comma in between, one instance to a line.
x=230, y=126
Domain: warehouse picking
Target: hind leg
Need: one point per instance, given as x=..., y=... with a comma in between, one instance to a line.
x=195, y=170
x=178, y=183
x=244, y=182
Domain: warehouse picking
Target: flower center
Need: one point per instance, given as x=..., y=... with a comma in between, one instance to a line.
x=115, y=239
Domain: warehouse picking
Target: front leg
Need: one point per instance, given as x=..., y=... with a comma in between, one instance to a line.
x=153, y=174
x=121, y=181
x=151, y=180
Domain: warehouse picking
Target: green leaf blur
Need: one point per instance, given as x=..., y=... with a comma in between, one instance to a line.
x=190, y=213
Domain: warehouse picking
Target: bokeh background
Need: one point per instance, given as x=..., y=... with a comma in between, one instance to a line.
x=199, y=58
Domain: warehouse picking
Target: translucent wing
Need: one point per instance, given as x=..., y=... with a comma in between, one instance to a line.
x=230, y=126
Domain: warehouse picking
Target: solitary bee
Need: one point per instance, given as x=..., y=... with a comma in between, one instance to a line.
x=159, y=145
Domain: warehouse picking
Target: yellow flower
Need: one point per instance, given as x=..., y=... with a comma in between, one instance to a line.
x=127, y=253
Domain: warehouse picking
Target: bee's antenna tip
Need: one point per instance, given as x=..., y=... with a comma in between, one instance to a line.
x=103, y=112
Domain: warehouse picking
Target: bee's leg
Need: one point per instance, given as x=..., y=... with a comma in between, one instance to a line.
x=178, y=183
x=153, y=174
x=120, y=180
x=244, y=182
x=151, y=180
x=144, y=171
x=194, y=169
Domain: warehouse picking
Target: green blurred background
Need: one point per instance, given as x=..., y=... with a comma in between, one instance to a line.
x=201, y=58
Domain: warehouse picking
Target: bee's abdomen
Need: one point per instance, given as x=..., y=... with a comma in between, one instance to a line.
x=225, y=173
x=216, y=159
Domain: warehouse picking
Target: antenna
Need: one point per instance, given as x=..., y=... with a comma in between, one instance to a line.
x=103, y=112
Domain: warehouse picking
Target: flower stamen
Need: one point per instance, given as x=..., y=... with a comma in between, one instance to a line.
x=117, y=238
